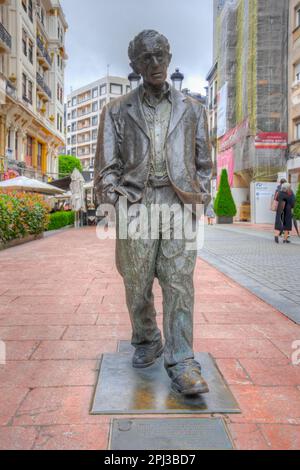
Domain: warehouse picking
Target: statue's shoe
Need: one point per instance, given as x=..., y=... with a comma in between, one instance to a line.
x=190, y=383
x=146, y=355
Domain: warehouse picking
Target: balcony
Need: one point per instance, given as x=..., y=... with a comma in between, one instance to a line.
x=43, y=89
x=43, y=55
x=5, y=40
x=11, y=90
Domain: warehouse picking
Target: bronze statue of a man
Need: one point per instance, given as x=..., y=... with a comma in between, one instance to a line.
x=153, y=149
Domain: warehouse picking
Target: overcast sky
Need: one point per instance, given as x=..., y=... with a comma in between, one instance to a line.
x=100, y=31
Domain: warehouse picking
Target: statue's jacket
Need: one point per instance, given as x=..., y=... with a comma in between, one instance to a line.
x=123, y=159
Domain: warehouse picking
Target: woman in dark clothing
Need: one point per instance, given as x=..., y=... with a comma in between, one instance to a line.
x=284, y=214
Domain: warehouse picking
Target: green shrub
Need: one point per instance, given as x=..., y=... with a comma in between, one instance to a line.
x=22, y=214
x=61, y=219
x=297, y=206
x=224, y=204
x=67, y=163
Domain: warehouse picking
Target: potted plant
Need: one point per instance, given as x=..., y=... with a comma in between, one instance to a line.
x=224, y=206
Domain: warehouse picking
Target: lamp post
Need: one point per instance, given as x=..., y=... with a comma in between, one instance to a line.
x=134, y=79
x=177, y=79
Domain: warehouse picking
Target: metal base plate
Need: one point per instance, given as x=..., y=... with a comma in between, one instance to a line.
x=170, y=434
x=121, y=389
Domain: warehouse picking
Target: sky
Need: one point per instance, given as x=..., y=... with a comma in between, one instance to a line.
x=100, y=31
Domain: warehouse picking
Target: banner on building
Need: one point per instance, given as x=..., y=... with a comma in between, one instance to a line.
x=222, y=99
x=225, y=161
x=271, y=140
x=234, y=135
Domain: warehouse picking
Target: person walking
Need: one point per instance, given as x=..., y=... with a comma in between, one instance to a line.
x=284, y=214
x=210, y=214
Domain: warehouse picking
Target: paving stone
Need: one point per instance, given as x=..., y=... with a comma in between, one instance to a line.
x=48, y=373
x=73, y=350
x=17, y=438
x=73, y=437
x=63, y=405
x=10, y=401
x=248, y=437
x=239, y=348
x=281, y=437
x=267, y=404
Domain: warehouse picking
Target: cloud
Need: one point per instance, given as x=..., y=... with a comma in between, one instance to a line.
x=100, y=31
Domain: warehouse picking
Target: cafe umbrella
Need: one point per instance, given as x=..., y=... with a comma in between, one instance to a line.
x=22, y=183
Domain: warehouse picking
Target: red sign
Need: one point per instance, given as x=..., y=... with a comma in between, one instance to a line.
x=271, y=140
x=226, y=161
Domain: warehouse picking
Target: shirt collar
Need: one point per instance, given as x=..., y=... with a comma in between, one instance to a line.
x=150, y=99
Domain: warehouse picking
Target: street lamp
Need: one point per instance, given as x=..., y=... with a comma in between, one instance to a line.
x=134, y=79
x=177, y=79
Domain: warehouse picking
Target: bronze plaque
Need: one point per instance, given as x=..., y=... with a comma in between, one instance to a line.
x=170, y=434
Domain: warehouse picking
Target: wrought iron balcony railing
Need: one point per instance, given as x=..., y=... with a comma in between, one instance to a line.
x=43, y=85
x=5, y=36
x=43, y=50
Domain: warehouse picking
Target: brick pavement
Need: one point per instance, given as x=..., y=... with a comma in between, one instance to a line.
x=251, y=257
x=62, y=305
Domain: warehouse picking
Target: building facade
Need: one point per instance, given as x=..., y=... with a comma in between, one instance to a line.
x=212, y=116
x=32, y=63
x=251, y=52
x=84, y=107
x=294, y=94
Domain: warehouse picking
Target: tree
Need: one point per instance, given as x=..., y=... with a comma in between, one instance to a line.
x=224, y=204
x=297, y=206
x=67, y=163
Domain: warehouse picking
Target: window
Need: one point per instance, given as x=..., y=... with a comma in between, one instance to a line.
x=297, y=130
x=69, y=104
x=94, y=134
x=74, y=101
x=95, y=121
x=102, y=104
x=297, y=72
x=29, y=150
x=29, y=89
x=24, y=4
x=297, y=17
x=24, y=86
x=30, y=10
x=128, y=88
x=24, y=42
x=103, y=90
x=30, y=52
x=39, y=155
x=74, y=127
x=73, y=139
x=95, y=106
x=116, y=89
x=42, y=16
x=74, y=114
x=95, y=92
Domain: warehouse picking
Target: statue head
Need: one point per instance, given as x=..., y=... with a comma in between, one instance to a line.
x=149, y=55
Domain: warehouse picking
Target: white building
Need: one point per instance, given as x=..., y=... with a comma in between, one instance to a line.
x=84, y=107
x=32, y=86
